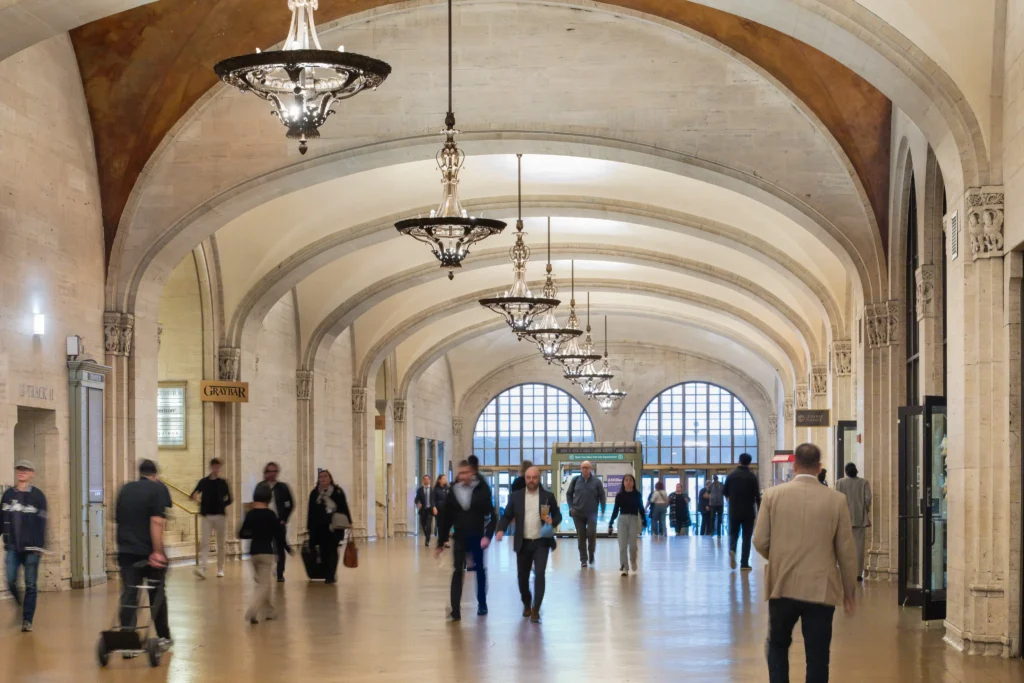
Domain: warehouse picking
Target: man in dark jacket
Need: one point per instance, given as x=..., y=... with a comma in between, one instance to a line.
x=23, y=510
x=703, y=509
x=214, y=495
x=426, y=509
x=469, y=508
x=744, y=493
x=531, y=507
x=282, y=504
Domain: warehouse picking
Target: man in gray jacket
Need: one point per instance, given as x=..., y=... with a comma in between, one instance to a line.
x=585, y=493
x=858, y=498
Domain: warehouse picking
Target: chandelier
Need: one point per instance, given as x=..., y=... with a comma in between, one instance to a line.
x=302, y=80
x=449, y=230
x=607, y=397
x=573, y=357
x=518, y=305
x=585, y=375
x=545, y=331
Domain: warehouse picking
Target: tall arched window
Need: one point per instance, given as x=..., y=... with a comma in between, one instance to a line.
x=522, y=423
x=696, y=423
x=913, y=330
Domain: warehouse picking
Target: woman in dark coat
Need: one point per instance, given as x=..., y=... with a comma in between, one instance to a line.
x=326, y=527
x=679, y=510
x=438, y=496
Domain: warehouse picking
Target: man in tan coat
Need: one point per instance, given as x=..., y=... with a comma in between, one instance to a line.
x=804, y=532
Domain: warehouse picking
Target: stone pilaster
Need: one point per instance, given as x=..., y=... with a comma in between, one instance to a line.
x=822, y=436
x=459, y=451
x=402, y=483
x=983, y=485
x=842, y=400
x=119, y=441
x=305, y=428
x=788, y=425
x=360, y=463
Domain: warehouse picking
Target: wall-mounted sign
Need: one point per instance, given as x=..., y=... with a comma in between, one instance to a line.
x=34, y=391
x=594, y=457
x=170, y=415
x=213, y=391
x=813, y=418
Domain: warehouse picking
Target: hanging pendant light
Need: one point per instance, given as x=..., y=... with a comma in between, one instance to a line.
x=545, y=331
x=302, y=80
x=449, y=230
x=586, y=376
x=607, y=397
x=571, y=355
x=518, y=305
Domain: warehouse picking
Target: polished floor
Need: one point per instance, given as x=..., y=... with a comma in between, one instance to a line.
x=684, y=617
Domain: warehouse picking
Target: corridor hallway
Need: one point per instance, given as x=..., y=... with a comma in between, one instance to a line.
x=685, y=617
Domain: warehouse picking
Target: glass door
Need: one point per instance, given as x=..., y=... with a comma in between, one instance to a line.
x=936, y=511
x=911, y=517
x=846, y=445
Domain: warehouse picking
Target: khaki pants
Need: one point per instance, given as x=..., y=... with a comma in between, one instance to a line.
x=858, y=539
x=262, y=599
x=629, y=537
x=209, y=524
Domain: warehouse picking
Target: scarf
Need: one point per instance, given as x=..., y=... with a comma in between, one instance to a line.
x=324, y=498
x=464, y=492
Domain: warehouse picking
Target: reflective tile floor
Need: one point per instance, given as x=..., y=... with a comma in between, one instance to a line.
x=685, y=617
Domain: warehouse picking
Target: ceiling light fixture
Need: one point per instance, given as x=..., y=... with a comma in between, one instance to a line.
x=449, y=230
x=545, y=331
x=607, y=397
x=518, y=305
x=585, y=375
x=570, y=355
x=302, y=80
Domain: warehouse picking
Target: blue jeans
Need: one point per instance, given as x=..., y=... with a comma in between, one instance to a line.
x=30, y=561
x=471, y=547
x=658, y=520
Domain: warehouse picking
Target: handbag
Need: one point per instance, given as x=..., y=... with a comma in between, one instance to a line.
x=351, y=556
x=339, y=520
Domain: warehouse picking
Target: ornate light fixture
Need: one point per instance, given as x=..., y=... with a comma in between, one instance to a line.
x=302, y=80
x=606, y=396
x=545, y=331
x=450, y=231
x=518, y=305
x=572, y=356
x=585, y=375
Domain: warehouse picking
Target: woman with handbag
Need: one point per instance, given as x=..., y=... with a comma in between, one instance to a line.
x=329, y=518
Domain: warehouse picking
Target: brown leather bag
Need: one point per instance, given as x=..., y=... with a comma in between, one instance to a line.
x=351, y=557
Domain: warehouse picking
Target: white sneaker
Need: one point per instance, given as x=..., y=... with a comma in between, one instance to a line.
x=220, y=573
x=624, y=571
x=199, y=572
x=732, y=559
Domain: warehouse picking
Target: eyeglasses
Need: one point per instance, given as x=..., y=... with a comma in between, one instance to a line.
x=270, y=471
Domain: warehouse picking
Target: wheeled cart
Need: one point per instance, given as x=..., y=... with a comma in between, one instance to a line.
x=132, y=641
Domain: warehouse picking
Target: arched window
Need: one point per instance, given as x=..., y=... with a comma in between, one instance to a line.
x=696, y=423
x=522, y=423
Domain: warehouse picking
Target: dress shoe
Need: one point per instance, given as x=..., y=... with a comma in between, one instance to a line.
x=535, y=616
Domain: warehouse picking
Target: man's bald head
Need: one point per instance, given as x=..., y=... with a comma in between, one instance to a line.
x=532, y=479
x=587, y=468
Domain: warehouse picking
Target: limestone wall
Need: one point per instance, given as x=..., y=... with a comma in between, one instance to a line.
x=430, y=412
x=51, y=260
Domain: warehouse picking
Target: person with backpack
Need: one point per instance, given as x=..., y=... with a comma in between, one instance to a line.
x=23, y=511
x=585, y=495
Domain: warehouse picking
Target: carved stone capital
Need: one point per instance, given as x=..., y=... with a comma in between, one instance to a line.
x=842, y=358
x=882, y=323
x=787, y=409
x=304, y=384
x=159, y=336
x=229, y=362
x=359, y=400
x=985, y=221
x=925, y=279
x=399, y=409
x=801, y=398
x=457, y=426
x=893, y=320
x=118, y=331
x=819, y=380
x=773, y=425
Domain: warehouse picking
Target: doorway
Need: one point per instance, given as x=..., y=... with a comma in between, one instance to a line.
x=846, y=446
x=36, y=439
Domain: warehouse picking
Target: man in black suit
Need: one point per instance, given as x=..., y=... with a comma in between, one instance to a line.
x=744, y=493
x=527, y=507
x=426, y=507
x=282, y=504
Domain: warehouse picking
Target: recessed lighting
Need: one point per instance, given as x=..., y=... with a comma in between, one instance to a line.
x=38, y=324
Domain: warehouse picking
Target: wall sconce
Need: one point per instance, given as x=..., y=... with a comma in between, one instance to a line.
x=38, y=324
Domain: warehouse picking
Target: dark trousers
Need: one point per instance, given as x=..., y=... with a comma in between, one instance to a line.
x=427, y=525
x=471, y=546
x=586, y=537
x=131, y=578
x=280, y=546
x=746, y=522
x=533, y=554
x=327, y=543
x=715, y=520
x=705, y=522
x=816, y=625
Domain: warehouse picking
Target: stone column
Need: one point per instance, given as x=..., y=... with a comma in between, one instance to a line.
x=304, y=381
x=929, y=319
x=229, y=447
x=400, y=511
x=801, y=401
x=983, y=599
x=360, y=463
x=119, y=435
x=459, y=450
x=788, y=425
x=822, y=436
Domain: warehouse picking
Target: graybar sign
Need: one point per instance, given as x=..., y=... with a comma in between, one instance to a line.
x=813, y=418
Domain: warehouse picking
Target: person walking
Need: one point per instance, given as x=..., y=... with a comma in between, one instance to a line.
x=804, y=533
x=585, y=495
x=822, y=477
x=281, y=504
x=536, y=515
x=425, y=508
x=327, y=520
x=658, y=501
x=214, y=496
x=262, y=527
x=716, y=506
x=743, y=491
x=23, y=512
x=702, y=508
x=630, y=504
x=520, y=481
x=679, y=511
x=437, y=498
x=858, y=499
x=141, y=516
x=469, y=510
